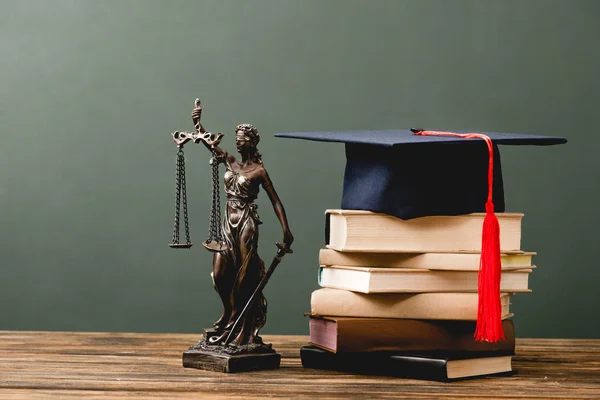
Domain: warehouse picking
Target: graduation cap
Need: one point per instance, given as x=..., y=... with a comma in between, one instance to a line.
x=418, y=173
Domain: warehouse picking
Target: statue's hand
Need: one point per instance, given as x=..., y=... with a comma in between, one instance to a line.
x=286, y=245
x=283, y=249
x=288, y=238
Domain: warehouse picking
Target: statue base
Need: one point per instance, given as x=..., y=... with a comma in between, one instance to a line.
x=230, y=359
x=229, y=364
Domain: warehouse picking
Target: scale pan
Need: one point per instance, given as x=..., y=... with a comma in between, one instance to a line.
x=180, y=245
x=213, y=245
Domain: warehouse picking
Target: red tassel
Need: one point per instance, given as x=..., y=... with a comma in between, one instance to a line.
x=489, y=314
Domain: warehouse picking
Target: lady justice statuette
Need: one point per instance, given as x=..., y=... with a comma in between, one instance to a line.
x=239, y=276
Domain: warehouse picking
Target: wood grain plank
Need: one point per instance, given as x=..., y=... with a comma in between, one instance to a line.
x=39, y=365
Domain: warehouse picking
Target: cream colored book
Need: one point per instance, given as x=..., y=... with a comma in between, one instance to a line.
x=404, y=280
x=364, y=231
x=433, y=261
x=438, y=306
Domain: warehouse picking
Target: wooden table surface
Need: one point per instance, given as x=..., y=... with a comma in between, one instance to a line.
x=37, y=365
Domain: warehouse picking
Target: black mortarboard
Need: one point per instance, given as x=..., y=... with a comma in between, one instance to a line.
x=399, y=173
x=418, y=173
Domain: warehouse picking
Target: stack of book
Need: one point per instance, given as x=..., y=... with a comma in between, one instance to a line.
x=399, y=297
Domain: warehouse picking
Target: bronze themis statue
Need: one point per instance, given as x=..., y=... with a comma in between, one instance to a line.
x=239, y=275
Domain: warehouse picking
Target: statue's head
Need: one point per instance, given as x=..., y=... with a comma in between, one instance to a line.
x=246, y=140
x=246, y=133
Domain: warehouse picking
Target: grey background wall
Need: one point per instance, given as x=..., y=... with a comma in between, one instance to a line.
x=90, y=90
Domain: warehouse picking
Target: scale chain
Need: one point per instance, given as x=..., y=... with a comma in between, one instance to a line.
x=180, y=197
x=175, y=238
x=184, y=199
x=215, y=212
x=217, y=203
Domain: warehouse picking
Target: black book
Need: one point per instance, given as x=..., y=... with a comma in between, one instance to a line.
x=433, y=366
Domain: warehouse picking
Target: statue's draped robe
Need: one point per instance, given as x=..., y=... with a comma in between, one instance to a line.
x=240, y=228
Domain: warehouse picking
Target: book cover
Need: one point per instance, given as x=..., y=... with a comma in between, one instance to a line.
x=433, y=261
x=439, y=306
x=404, y=280
x=425, y=366
x=350, y=335
x=364, y=231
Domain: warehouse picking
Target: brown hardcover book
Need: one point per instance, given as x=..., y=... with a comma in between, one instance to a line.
x=364, y=231
x=445, y=306
x=356, y=335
